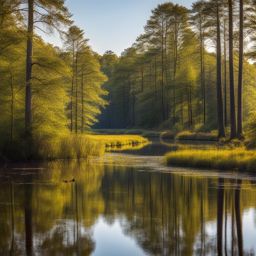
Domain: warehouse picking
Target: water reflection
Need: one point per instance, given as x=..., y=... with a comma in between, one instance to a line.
x=80, y=208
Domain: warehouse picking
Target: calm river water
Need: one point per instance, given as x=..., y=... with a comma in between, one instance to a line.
x=125, y=204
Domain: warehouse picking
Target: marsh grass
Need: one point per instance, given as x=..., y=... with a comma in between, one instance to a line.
x=222, y=159
x=198, y=136
x=68, y=147
x=119, y=141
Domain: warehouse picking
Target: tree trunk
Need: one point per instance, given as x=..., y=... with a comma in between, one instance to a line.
x=231, y=73
x=225, y=77
x=202, y=70
x=142, y=79
x=82, y=101
x=189, y=103
x=155, y=66
x=240, y=73
x=221, y=129
x=167, y=103
x=181, y=111
x=191, y=108
x=72, y=88
x=133, y=108
x=76, y=110
x=12, y=108
x=162, y=75
x=28, y=97
x=175, y=71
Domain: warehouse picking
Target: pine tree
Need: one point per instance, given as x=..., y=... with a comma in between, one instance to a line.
x=53, y=14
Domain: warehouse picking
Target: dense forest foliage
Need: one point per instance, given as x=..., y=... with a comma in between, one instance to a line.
x=45, y=91
x=190, y=69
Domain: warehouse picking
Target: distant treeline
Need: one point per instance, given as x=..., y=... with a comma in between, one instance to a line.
x=190, y=69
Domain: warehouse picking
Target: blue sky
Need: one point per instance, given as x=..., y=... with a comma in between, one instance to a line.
x=113, y=24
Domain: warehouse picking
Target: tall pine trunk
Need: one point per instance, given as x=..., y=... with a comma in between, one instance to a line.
x=202, y=70
x=162, y=75
x=76, y=109
x=240, y=72
x=225, y=76
x=142, y=79
x=72, y=87
x=175, y=70
x=12, y=106
x=155, y=78
x=82, y=101
x=28, y=96
x=231, y=74
x=221, y=129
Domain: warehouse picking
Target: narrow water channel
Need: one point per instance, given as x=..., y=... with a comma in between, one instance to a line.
x=125, y=204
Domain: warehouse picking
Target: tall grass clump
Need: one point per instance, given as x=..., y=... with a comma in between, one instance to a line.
x=84, y=146
x=71, y=147
x=222, y=159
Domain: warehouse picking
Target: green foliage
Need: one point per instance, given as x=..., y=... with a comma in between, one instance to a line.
x=86, y=90
x=161, y=74
x=51, y=82
x=168, y=78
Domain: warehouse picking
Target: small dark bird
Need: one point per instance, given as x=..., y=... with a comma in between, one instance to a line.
x=69, y=181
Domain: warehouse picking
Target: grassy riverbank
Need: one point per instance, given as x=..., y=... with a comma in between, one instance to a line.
x=84, y=146
x=196, y=136
x=168, y=135
x=113, y=142
x=222, y=159
x=68, y=147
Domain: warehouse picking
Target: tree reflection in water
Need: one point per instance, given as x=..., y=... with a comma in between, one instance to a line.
x=179, y=213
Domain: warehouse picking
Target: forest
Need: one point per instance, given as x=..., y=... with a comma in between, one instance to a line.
x=191, y=70
x=46, y=92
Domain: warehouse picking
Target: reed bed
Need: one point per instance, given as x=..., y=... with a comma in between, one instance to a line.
x=222, y=159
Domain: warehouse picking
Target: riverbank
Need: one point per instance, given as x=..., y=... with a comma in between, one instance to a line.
x=222, y=159
x=68, y=147
x=84, y=146
x=164, y=134
x=117, y=142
